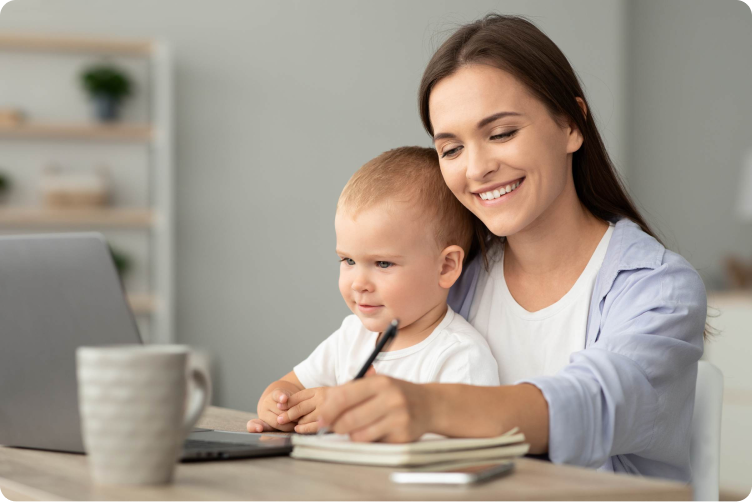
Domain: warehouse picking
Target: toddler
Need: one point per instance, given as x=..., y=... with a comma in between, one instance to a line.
x=402, y=238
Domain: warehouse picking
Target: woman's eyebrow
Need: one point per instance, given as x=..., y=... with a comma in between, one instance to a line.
x=496, y=116
x=483, y=122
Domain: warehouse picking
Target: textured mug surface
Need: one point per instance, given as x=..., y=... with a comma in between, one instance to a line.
x=134, y=414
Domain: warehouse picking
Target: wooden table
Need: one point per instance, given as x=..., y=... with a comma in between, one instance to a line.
x=40, y=475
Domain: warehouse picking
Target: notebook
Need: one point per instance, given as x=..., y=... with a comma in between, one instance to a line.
x=430, y=449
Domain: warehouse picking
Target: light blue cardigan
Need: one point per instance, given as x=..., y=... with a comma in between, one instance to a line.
x=625, y=402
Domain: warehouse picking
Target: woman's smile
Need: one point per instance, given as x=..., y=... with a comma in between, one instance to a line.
x=497, y=194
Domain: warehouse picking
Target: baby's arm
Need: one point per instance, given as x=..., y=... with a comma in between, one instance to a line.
x=301, y=401
x=273, y=402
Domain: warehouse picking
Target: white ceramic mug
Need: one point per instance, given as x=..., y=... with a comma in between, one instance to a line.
x=134, y=413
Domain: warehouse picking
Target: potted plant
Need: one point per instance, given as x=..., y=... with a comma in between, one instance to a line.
x=4, y=186
x=122, y=261
x=108, y=86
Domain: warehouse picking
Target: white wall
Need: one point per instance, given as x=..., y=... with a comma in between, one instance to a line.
x=689, y=123
x=278, y=103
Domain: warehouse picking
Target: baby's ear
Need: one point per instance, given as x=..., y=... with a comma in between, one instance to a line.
x=451, y=265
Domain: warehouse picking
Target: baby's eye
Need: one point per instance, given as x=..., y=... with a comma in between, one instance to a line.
x=349, y=261
x=384, y=264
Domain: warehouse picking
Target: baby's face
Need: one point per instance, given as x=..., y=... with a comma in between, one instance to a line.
x=390, y=265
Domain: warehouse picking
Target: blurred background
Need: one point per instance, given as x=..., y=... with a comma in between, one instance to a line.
x=209, y=142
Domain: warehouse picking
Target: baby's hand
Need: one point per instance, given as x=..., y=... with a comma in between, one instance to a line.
x=269, y=408
x=302, y=407
x=258, y=425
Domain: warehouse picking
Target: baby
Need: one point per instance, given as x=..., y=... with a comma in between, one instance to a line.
x=402, y=238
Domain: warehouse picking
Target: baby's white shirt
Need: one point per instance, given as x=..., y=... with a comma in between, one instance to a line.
x=453, y=353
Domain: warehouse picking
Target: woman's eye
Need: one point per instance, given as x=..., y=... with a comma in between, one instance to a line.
x=451, y=153
x=503, y=135
x=384, y=264
x=349, y=261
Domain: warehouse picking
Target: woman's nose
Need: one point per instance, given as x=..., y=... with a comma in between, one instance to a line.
x=479, y=165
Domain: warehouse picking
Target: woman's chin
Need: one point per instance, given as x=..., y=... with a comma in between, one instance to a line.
x=504, y=226
x=501, y=228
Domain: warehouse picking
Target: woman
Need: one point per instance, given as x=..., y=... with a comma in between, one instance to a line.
x=597, y=328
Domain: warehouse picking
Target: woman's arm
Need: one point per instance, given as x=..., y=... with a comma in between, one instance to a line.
x=630, y=393
x=391, y=410
x=469, y=411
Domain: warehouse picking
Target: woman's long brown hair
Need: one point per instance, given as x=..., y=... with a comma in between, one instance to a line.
x=515, y=45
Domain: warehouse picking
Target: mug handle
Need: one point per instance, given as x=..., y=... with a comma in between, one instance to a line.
x=199, y=398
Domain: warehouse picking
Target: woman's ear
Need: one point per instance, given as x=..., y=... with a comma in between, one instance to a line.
x=583, y=106
x=575, y=140
x=451, y=265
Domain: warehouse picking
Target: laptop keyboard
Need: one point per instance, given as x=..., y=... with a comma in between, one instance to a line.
x=198, y=445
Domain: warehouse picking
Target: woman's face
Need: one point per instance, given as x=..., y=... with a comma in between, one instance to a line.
x=492, y=135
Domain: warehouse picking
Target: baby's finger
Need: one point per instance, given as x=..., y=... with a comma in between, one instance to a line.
x=301, y=396
x=280, y=395
x=258, y=425
x=310, y=428
x=286, y=427
x=271, y=419
x=297, y=411
x=311, y=417
x=371, y=371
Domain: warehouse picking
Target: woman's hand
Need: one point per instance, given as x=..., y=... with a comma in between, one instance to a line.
x=377, y=408
x=380, y=408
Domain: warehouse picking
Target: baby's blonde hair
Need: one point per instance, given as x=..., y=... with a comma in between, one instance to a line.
x=411, y=174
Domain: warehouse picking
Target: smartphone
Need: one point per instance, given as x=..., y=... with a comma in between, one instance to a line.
x=464, y=475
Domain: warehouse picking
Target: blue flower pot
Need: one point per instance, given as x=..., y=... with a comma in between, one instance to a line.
x=107, y=107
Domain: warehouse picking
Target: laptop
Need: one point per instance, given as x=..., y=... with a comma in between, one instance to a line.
x=59, y=292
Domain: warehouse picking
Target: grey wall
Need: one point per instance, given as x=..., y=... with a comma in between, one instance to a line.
x=689, y=120
x=277, y=104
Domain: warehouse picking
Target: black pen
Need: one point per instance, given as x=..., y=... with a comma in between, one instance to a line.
x=386, y=338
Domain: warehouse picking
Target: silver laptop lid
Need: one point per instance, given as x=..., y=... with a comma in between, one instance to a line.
x=57, y=292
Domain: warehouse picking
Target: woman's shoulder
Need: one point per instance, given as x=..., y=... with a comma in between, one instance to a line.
x=634, y=258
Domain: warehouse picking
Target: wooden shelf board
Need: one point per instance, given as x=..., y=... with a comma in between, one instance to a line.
x=142, y=303
x=59, y=217
x=119, y=132
x=74, y=43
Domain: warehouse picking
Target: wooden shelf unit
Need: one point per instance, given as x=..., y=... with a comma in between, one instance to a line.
x=87, y=132
x=66, y=43
x=59, y=217
x=156, y=307
x=142, y=304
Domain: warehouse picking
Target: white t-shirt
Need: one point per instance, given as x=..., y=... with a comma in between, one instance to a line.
x=529, y=344
x=453, y=353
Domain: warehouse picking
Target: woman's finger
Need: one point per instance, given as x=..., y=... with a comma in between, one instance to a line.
x=342, y=398
x=297, y=411
x=377, y=431
x=388, y=401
